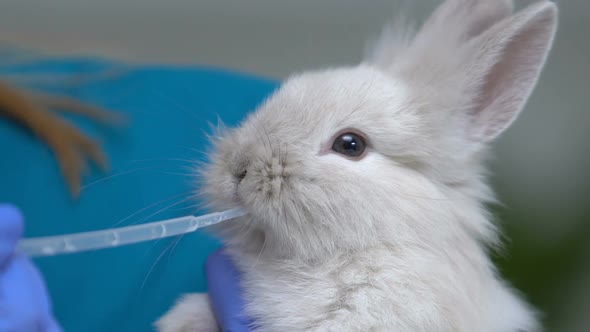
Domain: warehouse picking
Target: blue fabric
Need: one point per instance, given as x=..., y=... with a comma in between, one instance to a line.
x=170, y=109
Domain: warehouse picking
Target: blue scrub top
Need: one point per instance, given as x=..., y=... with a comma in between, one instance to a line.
x=151, y=178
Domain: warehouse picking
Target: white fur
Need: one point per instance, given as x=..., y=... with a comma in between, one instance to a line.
x=398, y=240
x=192, y=313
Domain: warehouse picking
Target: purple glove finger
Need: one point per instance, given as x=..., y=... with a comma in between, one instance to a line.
x=225, y=293
x=24, y=303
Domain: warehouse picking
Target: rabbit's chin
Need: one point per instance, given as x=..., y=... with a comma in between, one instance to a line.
x=268, y=234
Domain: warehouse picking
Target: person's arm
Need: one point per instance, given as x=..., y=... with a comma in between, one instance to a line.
x=24, y=301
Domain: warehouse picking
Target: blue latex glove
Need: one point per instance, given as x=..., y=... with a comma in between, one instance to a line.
x=225, y=293
x=24, y=303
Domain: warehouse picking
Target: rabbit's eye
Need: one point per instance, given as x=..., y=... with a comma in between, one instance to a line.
x=350, y=145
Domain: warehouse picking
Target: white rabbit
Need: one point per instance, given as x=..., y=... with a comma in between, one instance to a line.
x=366, y=189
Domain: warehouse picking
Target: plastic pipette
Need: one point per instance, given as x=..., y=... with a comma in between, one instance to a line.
x=108, y=238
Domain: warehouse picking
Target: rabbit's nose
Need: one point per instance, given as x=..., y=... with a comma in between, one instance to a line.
x=242, y=175
x=240, y=168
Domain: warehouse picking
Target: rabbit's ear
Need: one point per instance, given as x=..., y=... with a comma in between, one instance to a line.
x=502, y=66
x=452, y=23
x=474, y=58
x=463, y=19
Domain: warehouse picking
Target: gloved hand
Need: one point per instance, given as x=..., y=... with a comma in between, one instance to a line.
x=225, y=293
x=24, y=302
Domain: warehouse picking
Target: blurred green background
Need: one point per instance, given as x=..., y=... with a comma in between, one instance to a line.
x=542, y=162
